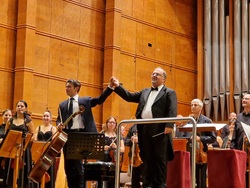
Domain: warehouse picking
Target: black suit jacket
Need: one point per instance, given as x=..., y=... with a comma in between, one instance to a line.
x=164, y=106
x=86, y=116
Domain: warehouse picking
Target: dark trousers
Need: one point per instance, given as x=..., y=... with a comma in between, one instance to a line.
x=154, y=159
x=74, y=171
x=201, y=175
x=137, y=174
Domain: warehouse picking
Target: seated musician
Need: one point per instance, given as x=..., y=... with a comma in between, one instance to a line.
x=6, y=115
x=228, y=130
x=109, y=130
x=135, y=162
x=203, y=139
x=45, y=132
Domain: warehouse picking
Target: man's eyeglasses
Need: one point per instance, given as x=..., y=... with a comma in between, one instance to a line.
x=245, y=98
x=156, y=74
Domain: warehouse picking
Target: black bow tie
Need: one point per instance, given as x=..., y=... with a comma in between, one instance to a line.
x=154, y=88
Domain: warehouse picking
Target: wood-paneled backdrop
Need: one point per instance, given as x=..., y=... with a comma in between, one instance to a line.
x=46, y=42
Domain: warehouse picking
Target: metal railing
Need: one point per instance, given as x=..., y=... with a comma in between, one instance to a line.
x=150, y=121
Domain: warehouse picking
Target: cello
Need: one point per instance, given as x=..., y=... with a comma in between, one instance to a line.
x=52, y=151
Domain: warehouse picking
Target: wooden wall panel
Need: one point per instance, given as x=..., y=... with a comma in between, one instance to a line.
x=186, y=20
x=184, y=109
x=129, y=30
x=185, y=53
x=42, y=53
x=188, y=81
x=7, y=52
x=8, y=12
x=6, y=93
x=172, y=35
x=91, y=41
x=164, y=46
x=40, y=91
x=66, y=59
x=90, y=69
x=56, y=11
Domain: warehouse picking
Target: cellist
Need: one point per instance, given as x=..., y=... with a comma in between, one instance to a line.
x=135, y=165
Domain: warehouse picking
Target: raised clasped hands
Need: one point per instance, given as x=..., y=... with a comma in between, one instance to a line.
x=114, y=82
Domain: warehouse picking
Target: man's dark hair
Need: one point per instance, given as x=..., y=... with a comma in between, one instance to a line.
x=76, y=83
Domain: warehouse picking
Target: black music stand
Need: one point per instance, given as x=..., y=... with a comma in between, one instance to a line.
x=82, y=145
x=85, y=145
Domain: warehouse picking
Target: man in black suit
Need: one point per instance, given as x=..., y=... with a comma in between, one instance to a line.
x=156, y=102
x=83, y=122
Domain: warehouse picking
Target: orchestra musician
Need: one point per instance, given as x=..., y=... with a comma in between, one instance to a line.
x=110, y=129
x=244, y=116
x=228, y=130
x=45, y=132
x=203, y=139
x=239, y=140
x=22, y=122
x=83, y=122
x=135, y=162
x=6, y=115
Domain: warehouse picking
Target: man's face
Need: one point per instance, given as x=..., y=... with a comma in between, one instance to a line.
x=195, y=108
x=157, y=77
x=232, y=117
x=70, y=89
x=246, y=101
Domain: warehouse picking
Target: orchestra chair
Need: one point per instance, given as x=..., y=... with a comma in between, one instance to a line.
x=178, y=170
x=226, y=168
x=101, y=172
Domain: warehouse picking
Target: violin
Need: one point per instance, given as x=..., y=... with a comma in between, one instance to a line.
x=52, y=151
x=135, y=160
x=201, y=156
x=112, y=151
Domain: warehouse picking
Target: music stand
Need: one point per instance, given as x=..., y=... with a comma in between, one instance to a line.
x=11, y=144
x=202, y=127
x=12, y=148
x=82, y=145
x=37, y=149
x=85, y=145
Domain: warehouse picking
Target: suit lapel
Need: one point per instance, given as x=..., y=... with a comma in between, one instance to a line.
x=160, y=94
x=146, y=94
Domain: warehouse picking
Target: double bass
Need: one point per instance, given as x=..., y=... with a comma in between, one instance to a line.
x=52, y=151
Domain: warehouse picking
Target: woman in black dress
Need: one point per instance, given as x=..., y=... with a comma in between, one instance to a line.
x=45, y=133
x=6, y=115
x=22, y=122
x=110, y=140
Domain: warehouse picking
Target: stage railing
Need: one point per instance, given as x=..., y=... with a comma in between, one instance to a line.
x=151, y=121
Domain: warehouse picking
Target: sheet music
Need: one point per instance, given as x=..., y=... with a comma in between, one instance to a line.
x=246, y=129
x=215, y=126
